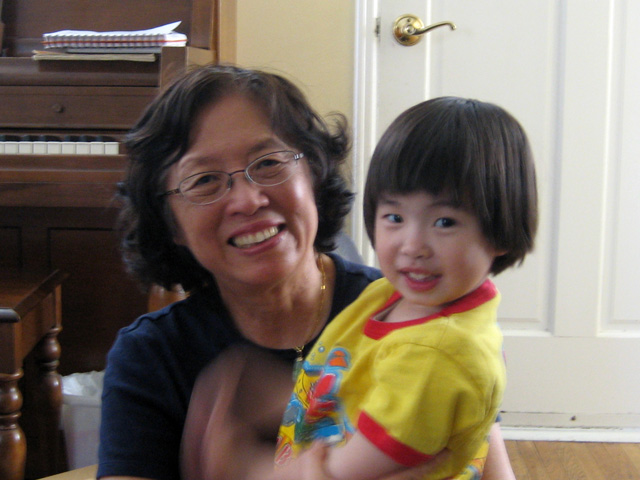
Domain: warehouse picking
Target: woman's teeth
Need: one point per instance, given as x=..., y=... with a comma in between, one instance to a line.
x=245, y=241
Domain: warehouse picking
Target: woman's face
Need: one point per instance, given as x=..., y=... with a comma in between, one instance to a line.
x=253, y=234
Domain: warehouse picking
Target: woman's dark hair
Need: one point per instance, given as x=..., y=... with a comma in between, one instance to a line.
x=475, y=153
x=162, y=136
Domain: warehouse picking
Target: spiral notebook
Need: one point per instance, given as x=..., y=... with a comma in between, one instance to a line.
x=80, y=40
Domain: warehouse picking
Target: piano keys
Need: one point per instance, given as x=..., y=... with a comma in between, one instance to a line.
x=54, y=145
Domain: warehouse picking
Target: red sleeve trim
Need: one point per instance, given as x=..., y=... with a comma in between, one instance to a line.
x=397, y=451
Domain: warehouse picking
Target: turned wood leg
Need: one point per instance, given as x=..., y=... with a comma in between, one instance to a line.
x=13, y=446
x=44, y=453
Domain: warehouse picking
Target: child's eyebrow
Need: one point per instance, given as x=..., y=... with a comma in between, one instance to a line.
x=384, y=200
x=438, y=202
x=445, y=202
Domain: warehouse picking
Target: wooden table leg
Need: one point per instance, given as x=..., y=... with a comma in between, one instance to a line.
x=13, y=445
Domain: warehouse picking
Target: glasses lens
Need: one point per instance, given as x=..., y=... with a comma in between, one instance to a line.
x=204, y=187
x=272, y=169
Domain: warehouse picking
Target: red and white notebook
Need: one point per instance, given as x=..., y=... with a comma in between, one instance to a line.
x=88, y=41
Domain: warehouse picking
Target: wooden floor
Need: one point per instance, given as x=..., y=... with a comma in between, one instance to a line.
x=574, y=460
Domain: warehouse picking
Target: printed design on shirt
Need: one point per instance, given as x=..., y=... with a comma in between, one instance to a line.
x=315, y=411
x=474, y=470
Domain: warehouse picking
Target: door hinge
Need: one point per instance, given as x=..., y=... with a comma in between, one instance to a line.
x=377, y=30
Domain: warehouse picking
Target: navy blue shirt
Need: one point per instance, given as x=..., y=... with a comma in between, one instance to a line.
x=153, y=365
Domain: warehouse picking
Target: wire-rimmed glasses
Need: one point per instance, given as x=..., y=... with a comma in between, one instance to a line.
x=268, y=170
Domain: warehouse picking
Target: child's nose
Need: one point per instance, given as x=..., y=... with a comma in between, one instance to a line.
x=416, y=244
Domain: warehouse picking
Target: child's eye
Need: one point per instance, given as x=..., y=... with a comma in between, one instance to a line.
x=393, y=218
x=445, y=222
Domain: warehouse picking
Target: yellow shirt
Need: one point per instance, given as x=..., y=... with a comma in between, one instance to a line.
x=412, y=388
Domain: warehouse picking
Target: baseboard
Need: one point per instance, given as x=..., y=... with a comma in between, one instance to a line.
x=546, y=434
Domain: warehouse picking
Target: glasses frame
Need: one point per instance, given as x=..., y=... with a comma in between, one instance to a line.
x=176, y=191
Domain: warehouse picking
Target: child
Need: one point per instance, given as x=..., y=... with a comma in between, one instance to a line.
x=414, y=366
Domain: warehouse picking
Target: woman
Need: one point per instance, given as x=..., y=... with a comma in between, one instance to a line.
x=234, y=193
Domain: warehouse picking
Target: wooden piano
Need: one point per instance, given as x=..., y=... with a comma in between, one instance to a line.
x=57, y=209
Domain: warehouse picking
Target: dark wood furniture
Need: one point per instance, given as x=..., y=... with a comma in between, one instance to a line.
x=30, y=320
x=57, y=212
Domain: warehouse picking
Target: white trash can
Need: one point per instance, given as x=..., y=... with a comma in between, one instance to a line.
x=81, y=417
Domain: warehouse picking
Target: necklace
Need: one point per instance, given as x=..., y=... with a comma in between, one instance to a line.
x=297, y=365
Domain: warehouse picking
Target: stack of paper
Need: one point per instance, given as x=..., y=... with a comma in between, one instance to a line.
x=139, y=41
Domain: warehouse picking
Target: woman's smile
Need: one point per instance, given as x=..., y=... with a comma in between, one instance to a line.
x=251, y=239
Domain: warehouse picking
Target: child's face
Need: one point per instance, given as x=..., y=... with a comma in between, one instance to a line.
x=432, y=252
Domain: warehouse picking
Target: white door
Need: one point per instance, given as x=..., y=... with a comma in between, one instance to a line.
x=569, y=71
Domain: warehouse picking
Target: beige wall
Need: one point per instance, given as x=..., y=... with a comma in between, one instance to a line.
x=310, y=41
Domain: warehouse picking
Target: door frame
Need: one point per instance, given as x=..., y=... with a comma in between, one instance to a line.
x=364, y=109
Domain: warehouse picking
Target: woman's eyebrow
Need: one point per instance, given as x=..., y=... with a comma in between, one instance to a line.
x=205, y=160
x=271, y=142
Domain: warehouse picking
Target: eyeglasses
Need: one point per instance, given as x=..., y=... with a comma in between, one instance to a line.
x=267, y=171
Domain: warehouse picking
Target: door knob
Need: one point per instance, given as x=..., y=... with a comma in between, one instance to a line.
x=407, y=29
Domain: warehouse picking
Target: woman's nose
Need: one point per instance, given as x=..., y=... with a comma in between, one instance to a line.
x=245, y=196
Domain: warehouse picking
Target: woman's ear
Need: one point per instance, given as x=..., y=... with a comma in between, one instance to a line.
x=178, y=238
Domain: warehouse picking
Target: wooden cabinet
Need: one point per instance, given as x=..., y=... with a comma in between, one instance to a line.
x=98, y=296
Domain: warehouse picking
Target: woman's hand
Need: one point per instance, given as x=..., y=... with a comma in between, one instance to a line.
x=234, y=414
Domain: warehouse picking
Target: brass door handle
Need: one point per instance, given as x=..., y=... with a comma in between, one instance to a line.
x=407, y=29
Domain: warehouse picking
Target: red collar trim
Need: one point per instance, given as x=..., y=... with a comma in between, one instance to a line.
x=376, y=329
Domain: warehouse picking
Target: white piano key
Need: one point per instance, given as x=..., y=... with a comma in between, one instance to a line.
x=96, y=148
x=39, y=148
x=111, y=148
x=11, y=148
x=54, y=148
x=83, y=148
x=25, y=148
x=68, y=148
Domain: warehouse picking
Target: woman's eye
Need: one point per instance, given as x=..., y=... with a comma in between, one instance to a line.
x=204, y=179
x=267, y=163
x=445, y=222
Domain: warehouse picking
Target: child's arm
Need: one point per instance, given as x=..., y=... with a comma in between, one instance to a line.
x=359, y=459
x=498, y=466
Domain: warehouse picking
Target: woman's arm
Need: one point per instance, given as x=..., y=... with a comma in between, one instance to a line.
x=233, y=418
